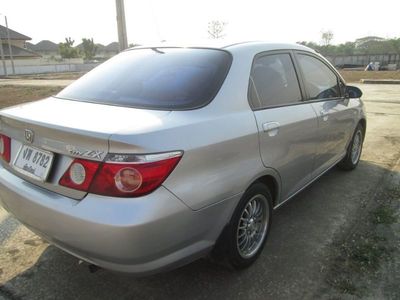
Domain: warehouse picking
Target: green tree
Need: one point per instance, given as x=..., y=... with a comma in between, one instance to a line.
x=67, y=50
x=89, y=48
x=328, y=50
x=395, y=45
x=362, y=46
x=347, y=48
x=374, y=47
x=311, y=45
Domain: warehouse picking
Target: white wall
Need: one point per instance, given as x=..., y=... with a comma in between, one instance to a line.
x=41, y=61
x=40, y=69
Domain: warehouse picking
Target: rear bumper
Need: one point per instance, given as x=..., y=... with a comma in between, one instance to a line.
x=140, y=235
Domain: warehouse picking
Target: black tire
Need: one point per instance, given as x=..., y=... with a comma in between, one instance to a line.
x=227, y=247
x=350, y=161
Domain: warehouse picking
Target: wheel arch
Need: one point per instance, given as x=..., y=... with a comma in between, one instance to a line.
x=271, y=179
x=363, y=123
x=273, y=185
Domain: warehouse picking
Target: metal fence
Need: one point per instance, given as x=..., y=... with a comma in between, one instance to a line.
x=364, y=60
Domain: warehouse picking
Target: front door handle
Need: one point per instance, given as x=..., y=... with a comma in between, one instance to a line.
x=324, y=115
x=272, y=128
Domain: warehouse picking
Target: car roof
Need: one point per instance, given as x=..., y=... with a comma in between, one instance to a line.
x=231, y=46
x=267, y=46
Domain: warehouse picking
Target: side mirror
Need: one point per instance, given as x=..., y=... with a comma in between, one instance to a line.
x=352, y=92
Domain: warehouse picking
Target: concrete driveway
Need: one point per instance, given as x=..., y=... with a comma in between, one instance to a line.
x=292, y=266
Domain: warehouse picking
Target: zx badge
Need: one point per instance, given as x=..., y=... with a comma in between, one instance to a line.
x=74, y=151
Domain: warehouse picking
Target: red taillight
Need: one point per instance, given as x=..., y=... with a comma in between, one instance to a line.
x=80, y=174
x=128, y=180
x=122, y=175
x=5, y=147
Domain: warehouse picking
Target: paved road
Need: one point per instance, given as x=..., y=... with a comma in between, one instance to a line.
x=292, y=265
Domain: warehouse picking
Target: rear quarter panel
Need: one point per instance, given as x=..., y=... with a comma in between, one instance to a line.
x=221, y=156
x=220, y=143
x=221, y=153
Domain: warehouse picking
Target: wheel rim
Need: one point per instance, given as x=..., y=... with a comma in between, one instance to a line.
x=252, y=226
x=356, y=147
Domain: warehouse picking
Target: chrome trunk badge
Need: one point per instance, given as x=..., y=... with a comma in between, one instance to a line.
x=94, y=154
x=29, y=136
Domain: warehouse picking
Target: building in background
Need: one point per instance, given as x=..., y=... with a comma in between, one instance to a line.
x=18, y=45
x=45, y=48
x=368, y=39
x=107, y=51
x=44, y=57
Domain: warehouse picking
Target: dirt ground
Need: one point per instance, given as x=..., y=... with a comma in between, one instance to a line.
x=338, y=239
x=12, y=95
x=356, y=76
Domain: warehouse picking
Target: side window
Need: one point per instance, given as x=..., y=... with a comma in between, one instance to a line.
x=273, y=81
x=320, y=81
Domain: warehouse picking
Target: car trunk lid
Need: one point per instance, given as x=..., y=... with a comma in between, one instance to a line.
x=69, y=129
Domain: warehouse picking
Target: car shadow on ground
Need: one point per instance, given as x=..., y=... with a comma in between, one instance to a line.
x=291, y=266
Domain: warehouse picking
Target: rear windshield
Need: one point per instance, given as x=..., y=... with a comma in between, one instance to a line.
x=154, y=78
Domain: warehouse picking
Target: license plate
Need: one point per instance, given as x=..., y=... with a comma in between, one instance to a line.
x=33, y=162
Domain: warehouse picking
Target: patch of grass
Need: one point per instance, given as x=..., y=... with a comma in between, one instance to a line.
x=362, y=253
x=358, y=256
x=367, y=251
x=394, y=193
x=346, y=286
x=384, y=215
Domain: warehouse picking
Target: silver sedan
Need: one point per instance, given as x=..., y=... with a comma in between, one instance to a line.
x=166, y=154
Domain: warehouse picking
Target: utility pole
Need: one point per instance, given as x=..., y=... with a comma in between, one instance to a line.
x=2, y=56
x=9, y=46
x=122, y=35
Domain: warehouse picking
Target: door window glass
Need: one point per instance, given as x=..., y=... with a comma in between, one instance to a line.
x=320, y=81
x=273, y=81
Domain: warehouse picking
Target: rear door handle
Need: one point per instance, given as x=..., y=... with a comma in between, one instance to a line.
x=272, y=128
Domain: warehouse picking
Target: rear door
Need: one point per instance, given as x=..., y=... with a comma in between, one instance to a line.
x=324, y=90
x=287, y=125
